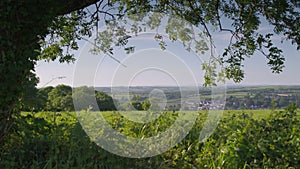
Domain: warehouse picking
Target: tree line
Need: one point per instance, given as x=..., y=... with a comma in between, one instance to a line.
x=261, y=101
x=61, y=98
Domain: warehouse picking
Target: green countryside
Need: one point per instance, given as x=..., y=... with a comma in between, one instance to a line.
x=76, y=72
x=48, y=134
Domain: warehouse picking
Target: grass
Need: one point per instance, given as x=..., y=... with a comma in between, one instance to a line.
x=256, y=114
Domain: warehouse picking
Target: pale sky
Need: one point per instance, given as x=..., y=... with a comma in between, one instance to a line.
x=149, y=65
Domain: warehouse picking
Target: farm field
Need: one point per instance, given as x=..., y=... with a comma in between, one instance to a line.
x=243, y=139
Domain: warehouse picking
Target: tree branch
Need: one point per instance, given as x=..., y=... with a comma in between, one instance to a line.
x=112, y=57
x=218, y=19
x=201, y=19
x=65, y=7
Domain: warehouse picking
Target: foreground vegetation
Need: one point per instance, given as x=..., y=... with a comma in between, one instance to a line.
x=261, y=139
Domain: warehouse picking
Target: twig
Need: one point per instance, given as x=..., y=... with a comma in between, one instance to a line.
x=115, y=59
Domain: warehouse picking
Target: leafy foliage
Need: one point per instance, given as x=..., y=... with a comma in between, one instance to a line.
x=104, y=101
x=244, y=17
x=60, y=98
x=56, y=140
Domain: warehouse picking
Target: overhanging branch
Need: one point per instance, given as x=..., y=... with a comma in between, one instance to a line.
x=66, y=6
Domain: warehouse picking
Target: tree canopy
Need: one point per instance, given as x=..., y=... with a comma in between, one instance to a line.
x=32, y=30
x=244, y=18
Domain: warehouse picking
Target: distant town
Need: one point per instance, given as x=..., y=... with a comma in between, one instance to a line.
x=235, y=98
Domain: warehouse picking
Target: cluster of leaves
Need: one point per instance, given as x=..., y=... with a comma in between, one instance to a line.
x=17, y=55
x=56, y=140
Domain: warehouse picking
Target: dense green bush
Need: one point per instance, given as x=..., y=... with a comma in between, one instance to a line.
x=56, y=140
